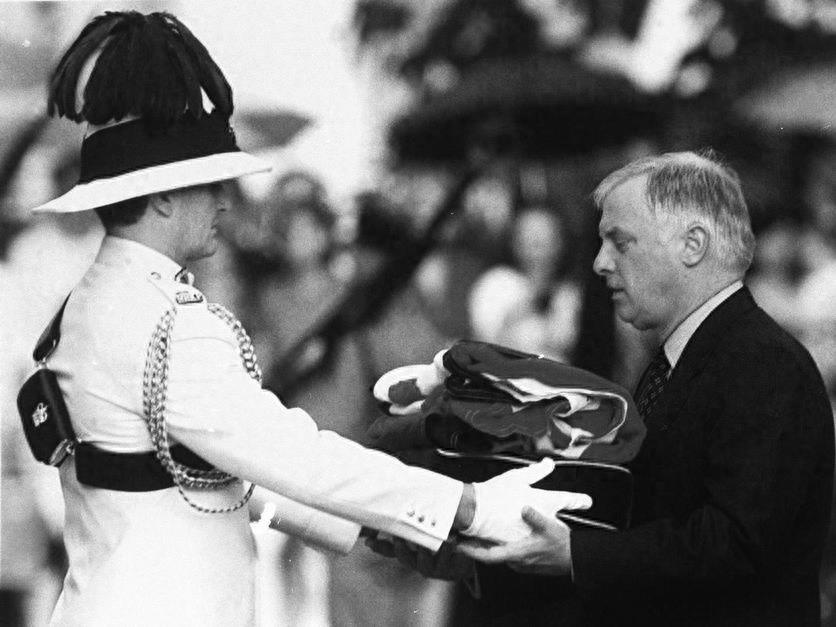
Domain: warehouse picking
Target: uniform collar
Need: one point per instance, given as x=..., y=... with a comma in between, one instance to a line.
x=675, y=344
x=136, y=258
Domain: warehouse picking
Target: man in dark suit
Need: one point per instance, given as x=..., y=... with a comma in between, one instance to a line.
x=734, y=479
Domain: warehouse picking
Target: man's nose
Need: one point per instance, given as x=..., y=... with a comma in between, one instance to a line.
x=602, y=263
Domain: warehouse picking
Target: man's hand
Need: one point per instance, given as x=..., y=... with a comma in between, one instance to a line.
x=499, y=501
x=445, y=564
x=546, y=551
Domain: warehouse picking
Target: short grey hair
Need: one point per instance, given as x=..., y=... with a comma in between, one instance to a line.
x=682, y=184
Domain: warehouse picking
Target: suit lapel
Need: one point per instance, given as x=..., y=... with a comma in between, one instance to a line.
x=696, y=355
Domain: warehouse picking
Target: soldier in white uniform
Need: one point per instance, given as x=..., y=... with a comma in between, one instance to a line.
x=151, y=373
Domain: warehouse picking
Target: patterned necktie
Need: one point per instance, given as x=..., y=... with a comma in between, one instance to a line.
x=652, y=383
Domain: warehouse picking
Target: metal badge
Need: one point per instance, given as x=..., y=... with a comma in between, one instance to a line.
x=186, y=298
x=40, y=415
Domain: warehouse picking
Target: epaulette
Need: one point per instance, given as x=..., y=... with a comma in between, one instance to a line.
x=177, y=293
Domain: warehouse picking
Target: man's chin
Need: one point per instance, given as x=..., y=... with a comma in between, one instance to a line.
x=203, y=253
x=619, y=304
x=626, y=314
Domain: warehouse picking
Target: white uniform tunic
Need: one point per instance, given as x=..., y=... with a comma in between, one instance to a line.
x=149, y=558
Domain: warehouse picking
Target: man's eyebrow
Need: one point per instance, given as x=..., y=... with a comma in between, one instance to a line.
x=611, y=232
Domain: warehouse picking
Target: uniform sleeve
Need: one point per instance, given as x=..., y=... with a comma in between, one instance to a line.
x=769, y=445
x=215, y=408
x=314, y=527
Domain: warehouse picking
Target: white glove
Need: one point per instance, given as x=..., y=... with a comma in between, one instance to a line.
x=500, y=500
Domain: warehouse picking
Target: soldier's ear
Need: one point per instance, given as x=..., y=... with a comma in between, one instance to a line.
x=696, y=240
x=162, y=204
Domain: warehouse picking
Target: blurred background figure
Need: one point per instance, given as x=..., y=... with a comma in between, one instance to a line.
x=777, y=271
x=817, y=290
x=290, y=271
x=470, y=241
x=40, y=261
x=533, y=303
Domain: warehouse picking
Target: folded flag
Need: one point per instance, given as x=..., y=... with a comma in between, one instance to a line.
x=525, y=404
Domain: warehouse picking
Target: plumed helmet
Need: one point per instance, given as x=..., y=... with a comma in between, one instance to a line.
x=141, y=83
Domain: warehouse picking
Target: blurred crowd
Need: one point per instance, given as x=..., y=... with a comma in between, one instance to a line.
x=335, y=293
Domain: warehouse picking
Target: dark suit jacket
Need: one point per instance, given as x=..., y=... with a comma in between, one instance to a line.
x=733, y=488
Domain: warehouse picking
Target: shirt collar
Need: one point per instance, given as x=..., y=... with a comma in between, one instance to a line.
x=135, y=257
x=676, y=342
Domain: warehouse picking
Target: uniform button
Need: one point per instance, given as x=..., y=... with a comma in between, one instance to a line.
x=411, y=513
x=156, y=275
x=421, y=518
x=432, y=522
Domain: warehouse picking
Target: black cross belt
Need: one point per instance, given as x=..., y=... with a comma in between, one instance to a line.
x=129, y=472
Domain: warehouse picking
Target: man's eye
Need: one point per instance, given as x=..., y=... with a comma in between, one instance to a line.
x=621, y=245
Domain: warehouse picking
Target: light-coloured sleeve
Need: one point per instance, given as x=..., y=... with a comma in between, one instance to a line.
x=315, y=528
x=215, y=409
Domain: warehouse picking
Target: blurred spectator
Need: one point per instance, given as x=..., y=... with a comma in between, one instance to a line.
x=776, y=273
x=818, y=196
x=25, y=538
x=40, y=263
x=533, y=303
x=817, y=303
x=290, y=280
x=44, y=261
x=469, y=244
x=817, y=292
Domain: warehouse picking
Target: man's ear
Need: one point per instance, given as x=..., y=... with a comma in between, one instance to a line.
x=161, y=203
x=695, y=244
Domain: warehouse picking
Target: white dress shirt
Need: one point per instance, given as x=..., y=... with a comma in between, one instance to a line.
x=148, y=557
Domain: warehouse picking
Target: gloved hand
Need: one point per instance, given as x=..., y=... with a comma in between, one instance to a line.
x=500, y=500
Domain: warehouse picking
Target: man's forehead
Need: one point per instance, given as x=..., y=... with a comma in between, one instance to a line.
x=617, y=217
x=624, y=205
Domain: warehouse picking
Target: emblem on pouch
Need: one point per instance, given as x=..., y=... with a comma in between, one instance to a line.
x=40, y=415
x=186, y=298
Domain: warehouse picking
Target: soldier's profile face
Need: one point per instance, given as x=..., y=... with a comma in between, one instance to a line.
x=200, y=208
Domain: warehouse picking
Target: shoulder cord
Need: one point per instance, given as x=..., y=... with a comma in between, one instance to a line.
x=154, y=387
